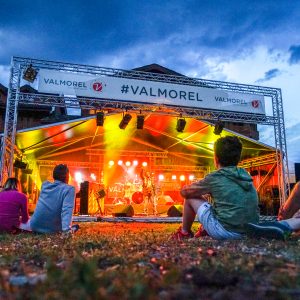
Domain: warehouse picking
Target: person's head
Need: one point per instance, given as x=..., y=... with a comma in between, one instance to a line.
x=61, y=173
x=227, y=151
x=11, y=183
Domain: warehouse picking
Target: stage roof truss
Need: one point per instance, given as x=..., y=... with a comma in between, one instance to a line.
x=15, y=97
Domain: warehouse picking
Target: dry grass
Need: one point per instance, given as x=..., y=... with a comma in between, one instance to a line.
x=139, y=261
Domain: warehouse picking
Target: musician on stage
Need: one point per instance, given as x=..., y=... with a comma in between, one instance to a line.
x=148, y=191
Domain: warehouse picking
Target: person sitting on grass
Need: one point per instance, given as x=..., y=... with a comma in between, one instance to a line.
x=54, y=209
x=13, y=206
x=291, y=207
x=234, y=210
x=233, y=195
x=288, y=219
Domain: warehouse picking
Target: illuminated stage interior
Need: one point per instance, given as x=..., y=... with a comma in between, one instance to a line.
x=110, y=159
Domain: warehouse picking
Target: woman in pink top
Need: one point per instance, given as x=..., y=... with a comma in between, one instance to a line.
x=13, y=206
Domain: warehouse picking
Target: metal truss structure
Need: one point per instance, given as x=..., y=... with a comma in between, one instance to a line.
x=15, y=97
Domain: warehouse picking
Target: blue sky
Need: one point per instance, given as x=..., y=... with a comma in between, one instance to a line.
x=252, y=42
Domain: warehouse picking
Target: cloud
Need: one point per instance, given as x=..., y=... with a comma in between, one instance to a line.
x=4, y=75
x=269, y=75
x=295, y=54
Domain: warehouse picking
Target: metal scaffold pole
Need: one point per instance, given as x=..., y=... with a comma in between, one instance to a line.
x=10, y=125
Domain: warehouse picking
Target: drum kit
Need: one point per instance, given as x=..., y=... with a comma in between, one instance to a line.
x=127, y=193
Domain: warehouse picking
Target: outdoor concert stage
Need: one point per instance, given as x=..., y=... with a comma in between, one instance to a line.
x=130, y=121
x=109, y=159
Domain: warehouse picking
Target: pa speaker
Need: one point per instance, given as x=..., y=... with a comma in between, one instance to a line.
x=175, y=211
x=84, y=198
x=123, y=210
x=297, y=172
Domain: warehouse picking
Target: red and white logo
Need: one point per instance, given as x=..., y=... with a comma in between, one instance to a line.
x=255, y=103
x=97, y=86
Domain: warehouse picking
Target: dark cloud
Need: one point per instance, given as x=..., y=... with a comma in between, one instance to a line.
x=79, y=31
x=269, y=75
x=295, y=54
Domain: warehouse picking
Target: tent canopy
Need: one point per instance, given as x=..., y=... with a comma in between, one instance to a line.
x=81, y=140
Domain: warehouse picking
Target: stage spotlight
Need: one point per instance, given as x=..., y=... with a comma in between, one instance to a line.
x=191, y=177
x=218, y=128
x=140, y=122
x=182, y=178
x=100, y=118
x=20, y=164
x=78, y=177
x=180, y=125
x=161, y=177
x=30, y=74
x=124, y=122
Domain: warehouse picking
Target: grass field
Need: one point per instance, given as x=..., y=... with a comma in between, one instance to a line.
x=139, y=261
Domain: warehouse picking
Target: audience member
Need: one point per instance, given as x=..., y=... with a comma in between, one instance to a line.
x=13, y=206
x=54, y=209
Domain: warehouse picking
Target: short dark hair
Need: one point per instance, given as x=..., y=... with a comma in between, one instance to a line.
x=61, y=173
x=11, y=183
x=228, y=150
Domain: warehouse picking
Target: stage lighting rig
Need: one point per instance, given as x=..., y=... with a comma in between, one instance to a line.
x=140, y=122
x=125, y=121
x=218, y=127
x=180, y=124
x=30, y=74
x=100, y=118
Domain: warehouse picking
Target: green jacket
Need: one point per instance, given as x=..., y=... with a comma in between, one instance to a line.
x=234, y=198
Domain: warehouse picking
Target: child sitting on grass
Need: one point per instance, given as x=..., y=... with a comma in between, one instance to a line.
x=234, y=209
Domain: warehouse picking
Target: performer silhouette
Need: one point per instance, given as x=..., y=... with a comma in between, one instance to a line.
x=148, y=192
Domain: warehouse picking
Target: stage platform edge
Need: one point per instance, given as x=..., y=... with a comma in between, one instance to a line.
x=145, y=219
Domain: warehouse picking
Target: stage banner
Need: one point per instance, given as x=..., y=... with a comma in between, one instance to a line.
x=124, y=89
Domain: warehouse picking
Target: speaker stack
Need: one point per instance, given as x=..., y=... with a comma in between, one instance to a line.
x=175, y=211
x=123, y=210
x=84, y=198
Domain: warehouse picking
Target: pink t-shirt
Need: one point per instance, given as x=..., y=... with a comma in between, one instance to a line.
x=13, y=210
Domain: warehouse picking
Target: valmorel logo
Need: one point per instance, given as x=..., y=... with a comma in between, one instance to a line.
x=255, y=103
x=97, y=86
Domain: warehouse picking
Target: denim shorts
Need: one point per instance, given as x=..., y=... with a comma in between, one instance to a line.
x=212, y=226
